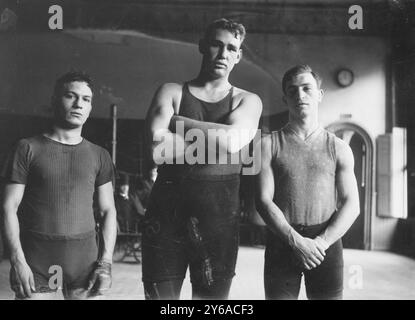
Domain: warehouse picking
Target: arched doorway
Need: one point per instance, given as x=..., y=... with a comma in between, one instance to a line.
x=359, y=235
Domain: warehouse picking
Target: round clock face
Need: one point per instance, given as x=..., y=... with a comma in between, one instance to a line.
x=345, y=77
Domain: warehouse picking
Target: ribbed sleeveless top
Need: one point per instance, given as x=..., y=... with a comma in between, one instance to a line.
x=304, y=174
x=197, y=109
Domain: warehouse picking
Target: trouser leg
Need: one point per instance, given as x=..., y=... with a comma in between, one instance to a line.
x=163, y=290
x=326, y=281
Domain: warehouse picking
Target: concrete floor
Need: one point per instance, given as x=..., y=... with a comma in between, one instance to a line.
x=367, y=275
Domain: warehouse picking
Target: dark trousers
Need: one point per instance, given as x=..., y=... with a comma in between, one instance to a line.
x=75, y=257
x=283, y=273
x=191, y=224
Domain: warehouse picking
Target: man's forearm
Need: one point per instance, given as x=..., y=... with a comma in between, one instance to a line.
x=276, y=221
x=229, y=138
x=12, y=235
x=166, y=146
x=201, y=125
x=341, y=221
x=309, y=252
x=108, y=235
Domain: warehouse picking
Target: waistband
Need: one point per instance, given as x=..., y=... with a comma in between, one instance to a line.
x=44, y=236
x=195, y=177
x=310, y=230
x=310, y=227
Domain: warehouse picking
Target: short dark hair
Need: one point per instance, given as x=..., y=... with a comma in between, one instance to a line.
x=298, y=69
x=72, y=76
x=237, y=29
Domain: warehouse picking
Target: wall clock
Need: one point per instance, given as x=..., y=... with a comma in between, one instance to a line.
x=344, y=77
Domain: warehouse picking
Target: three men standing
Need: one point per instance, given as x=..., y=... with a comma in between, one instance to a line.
x=306, y=190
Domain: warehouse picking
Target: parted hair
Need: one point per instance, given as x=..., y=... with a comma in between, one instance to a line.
x=296, y=70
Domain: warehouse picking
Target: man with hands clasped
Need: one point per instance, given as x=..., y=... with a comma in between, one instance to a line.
x=307, y=195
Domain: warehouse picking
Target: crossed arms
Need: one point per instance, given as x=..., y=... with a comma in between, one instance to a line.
x=163, y=115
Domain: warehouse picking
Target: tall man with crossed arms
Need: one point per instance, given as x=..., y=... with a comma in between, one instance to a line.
x=192, y=216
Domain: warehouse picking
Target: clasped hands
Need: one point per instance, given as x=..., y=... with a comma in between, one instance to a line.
x=309, y=252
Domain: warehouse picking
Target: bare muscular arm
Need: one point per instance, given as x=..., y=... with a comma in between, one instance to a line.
x=21, y=281
x=239, y=129
x=158, y=136
x=348, y=195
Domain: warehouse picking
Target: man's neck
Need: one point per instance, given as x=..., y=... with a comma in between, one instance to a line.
x=304, y=127
x=66, y=136
x=210, y=83
x=210, y=90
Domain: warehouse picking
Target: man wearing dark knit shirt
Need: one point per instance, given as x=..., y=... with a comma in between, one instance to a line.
x=48, y=204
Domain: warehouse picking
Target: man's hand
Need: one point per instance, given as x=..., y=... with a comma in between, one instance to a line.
x=101, y=279
x=321, y=243
x=21, y=279
x=310, y=252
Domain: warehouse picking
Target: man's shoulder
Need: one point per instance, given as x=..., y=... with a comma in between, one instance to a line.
x=170, y=88
x=329, y=133
x=277, y=134
x=95, y=147
x=339, y=143
x=38, y=138
x=343, y=150
x=169, y=91
x=247, y=98
x=284, y=130
x=244, y=93
x=24, y=150
x=30, y=141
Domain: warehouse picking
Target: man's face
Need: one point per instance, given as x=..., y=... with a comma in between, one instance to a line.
x=221, y=51
x=302, y=95
x=124, y=188
x=73, y=105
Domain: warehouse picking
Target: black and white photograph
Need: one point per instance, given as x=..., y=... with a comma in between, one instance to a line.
x=225, y=150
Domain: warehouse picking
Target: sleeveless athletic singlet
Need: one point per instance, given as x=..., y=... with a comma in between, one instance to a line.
x=217, y=112
x=304, y=175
